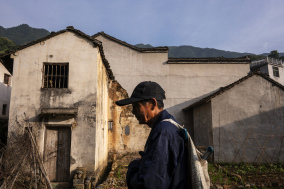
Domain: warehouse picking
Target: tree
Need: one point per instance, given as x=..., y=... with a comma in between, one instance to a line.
x=6, y=44
x=274, y=54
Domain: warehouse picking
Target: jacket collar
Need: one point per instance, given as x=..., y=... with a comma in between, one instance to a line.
x=162, y=115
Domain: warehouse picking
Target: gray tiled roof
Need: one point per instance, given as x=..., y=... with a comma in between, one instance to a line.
x=143, y=50
x=213, y=60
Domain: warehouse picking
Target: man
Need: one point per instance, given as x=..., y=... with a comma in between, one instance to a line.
x=163, y=162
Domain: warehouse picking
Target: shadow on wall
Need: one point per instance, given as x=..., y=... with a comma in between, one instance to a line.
x=186, y=118
x=257, y=139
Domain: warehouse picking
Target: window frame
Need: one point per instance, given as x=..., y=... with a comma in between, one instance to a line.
x=49, y=76
x=7, y=79
x=275, y=71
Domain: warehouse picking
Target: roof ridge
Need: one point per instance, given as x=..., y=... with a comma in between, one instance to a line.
x=154, y=49
x=218, y=57
x=223, y=60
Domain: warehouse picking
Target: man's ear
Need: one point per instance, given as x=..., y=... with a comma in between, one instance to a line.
x=154, y=103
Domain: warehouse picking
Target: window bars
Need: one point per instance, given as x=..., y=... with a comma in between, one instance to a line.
x=55, y=75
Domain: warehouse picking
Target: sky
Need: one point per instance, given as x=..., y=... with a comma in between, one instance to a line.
x=254, y=26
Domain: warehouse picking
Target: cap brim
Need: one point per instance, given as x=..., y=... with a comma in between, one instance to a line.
x=127, y=101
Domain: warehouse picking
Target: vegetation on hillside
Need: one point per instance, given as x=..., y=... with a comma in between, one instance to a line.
x=256, y=57
x=186, y=51
x=272, y=54
x=6, y=44
x=23, y=34
x=141, y=45
x=196, y=52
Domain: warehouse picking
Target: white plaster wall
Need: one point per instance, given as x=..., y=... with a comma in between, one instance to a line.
x=279, y=79
x=182, y=82
x=101, y=146
x=5, y=91
x=247, y=123
x=28, y=97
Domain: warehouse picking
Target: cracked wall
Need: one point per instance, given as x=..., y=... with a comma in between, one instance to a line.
x=121, y=143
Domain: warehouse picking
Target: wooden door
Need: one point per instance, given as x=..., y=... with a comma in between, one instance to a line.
x=57, y=153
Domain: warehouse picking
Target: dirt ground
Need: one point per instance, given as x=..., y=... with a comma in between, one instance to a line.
x=226, y=176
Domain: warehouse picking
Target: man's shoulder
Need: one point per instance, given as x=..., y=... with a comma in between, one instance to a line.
x=166, y=127
x=163, y=125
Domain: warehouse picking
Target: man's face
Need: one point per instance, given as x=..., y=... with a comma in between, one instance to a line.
x=142, y=112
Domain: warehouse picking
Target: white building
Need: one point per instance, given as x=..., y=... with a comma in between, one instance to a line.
x=243, y=121
x=60, y=89
x=5, y=92
x=271, y=67
x=183, y=79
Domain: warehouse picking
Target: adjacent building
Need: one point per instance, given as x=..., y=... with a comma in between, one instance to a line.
x=243, y=121
x=61, y=91
x=271, y=67
x=65, y=92
x=183, y=79
x=5, y=94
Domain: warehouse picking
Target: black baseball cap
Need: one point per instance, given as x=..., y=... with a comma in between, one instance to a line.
x=143, y=91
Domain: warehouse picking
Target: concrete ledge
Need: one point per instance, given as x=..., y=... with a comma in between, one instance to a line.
x=59, y=111
x=61, y=185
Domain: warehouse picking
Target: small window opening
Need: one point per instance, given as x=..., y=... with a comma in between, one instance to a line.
x=4, y=109
x=275, y=71
x=110, y=125
x=55, y=75
x=127, y=130
x=7, y=79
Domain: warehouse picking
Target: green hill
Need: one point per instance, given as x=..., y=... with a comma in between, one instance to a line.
x=196, y=52
x=23, y=34
x=6, y=44
x=187, y=51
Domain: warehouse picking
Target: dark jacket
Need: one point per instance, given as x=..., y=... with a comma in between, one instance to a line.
x=163, y=162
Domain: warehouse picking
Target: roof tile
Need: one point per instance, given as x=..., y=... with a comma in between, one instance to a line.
x=142, y=50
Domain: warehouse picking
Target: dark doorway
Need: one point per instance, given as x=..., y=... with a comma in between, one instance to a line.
x=57, y=153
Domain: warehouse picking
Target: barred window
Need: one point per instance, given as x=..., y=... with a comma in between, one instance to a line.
x=7, y=79
x=55, y=75
x=275, y=71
